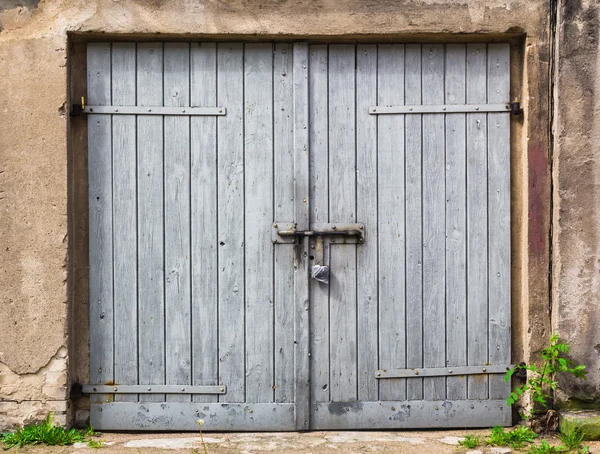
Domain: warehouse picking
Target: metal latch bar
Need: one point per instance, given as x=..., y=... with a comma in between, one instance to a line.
x=442, y=108
x=154, y=110
x=153, y=389
x=441, y=371
x=287, y=233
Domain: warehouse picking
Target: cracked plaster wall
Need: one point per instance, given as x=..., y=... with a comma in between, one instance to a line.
x=43, y=232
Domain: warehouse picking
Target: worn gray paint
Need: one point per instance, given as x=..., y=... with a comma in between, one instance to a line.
x=184, y=233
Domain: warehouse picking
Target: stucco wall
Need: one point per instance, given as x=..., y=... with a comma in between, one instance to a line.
x=42, y=184
x=576, y=170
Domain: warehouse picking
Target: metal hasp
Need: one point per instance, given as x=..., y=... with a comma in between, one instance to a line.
x=287, y=233
x=442, y=371
x=153, y=389
x=152, y=110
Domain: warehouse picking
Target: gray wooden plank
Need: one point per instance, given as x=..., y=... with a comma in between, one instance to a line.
x=411, y=414
x=301, y=260
x=204, y=242
x=177, y=220
x=477, y=244
x=100, y=199
x=366, y=212
x=283, y=160
x=342, y=208
x=391, y=221
x=217, y=417
x=230, y=177
x=258, y=175
x=498, y=78
x=151, y=317
x=456, y=229
x=434, y=228
x=319, y=212
x=414, y=230
x=125, y=219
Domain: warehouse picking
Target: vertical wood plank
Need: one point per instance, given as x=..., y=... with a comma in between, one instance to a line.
x=230, y=128
x=456, y=201
x=434, y=224
x=301, y=261
x=258, y=168
x=499, y=216
x=151, y=315
x=366, y=212
x=177, y=219
x=391, y=219
x=319, y=209
x=477, y=241
x=284, y=212
x=414, y=231
x=125, y=219
x=342, y=208
x=101, y=217
x=204, y=242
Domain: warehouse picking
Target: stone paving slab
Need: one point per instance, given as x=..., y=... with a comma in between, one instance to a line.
x=409, y=442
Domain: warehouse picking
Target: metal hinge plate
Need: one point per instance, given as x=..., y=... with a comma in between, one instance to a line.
x=153, y=389
x=441, y=371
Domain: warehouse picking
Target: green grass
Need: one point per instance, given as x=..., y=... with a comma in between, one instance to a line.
x=45, y=433
x=515, y=438
x=471, y=441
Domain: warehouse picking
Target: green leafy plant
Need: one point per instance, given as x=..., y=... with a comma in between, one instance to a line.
x=571, y=437
x=545, y=448
x=471, y=441
x=542, y=380
x=515, y=438
x=95, y=444
x=45, y=433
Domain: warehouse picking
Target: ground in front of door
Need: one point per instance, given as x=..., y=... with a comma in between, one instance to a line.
x=438, y=442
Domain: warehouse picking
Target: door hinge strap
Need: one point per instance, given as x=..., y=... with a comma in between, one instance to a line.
x=442, y=108
x=441, y=371
x=153, y=389
x=150, y=110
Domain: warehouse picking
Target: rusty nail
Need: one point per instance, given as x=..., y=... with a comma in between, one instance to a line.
x=416, y=372
x=483, y=369
x=393, y=408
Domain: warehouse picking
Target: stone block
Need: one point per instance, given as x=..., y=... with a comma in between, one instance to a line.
x=587, y=421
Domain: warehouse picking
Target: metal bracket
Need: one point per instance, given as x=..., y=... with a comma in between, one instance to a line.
x=442, y=371
x=515, y=108
x=339, y=233
x=153, y=389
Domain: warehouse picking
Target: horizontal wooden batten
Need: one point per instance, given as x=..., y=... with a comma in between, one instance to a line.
x=442, y=108
x=410, y=414
x=155, y=110
x=153, y=389
x=165, y=416
x=441, y=371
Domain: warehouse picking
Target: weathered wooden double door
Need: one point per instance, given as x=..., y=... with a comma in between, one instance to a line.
x=221, y=173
